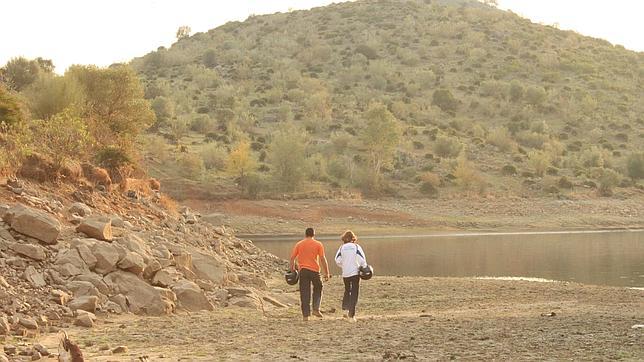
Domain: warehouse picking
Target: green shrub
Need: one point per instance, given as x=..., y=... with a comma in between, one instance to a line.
x=635, y=166
x=191, y=166
x=509, y=170
x=63, y=137
x=565, y=183
x=446, y=146
x=500, y=137
x=539, y=161
x=444, y=99
x=535, y=95
x=214, y=157
x=608, y=180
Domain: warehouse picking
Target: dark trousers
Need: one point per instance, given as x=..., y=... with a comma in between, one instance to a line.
x=308, y=277
x=351, y=290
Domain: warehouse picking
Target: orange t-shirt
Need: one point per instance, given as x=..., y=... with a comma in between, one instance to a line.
x=307, y=252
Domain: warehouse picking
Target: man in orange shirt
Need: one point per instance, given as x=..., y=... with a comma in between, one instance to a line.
x=310, y=254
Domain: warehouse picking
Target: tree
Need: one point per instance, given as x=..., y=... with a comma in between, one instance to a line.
x=11, y=112
x=64, y=136
x=51, y=94
x=380, y=137
x=183, y=32
x=210, y=58
x=287, y=156
x=114, y=104
x=20, y=72
x=164, y=110
x=241, y=162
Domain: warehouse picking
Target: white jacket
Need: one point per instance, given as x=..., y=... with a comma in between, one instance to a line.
x=350, y=257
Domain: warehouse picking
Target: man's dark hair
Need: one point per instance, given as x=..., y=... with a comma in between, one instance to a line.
x=309, y=232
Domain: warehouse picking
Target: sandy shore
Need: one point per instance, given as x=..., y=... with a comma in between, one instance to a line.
x=399, y=318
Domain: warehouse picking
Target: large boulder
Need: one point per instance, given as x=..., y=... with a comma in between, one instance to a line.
x=35, y=252
x=136, y=245
x=96, y=280
x=5, y=328
x=82, y=288
x=34, y=223
x=69, y=263
x=96, y=227
x=209, y=267
x=34, y=277
x=80, y=209
x=142, y=298
x=166, y=277
x=107, y=256
x=87, y=303
x=132, y=262
x=190, y=296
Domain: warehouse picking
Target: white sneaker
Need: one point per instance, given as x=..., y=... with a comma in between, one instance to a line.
x=352, y=320
x=345, y=314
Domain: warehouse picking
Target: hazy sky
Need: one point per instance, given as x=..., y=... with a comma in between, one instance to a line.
x=103, y=32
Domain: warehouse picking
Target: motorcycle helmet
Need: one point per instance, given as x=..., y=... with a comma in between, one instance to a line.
x=292, y=277
x=366, y=272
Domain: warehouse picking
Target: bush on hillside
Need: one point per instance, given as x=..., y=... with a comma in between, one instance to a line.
x=448, y=147
x=444, y=99
x=635, y=166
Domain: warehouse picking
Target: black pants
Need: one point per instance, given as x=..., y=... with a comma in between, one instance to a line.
x=351, y=290
x=308, y=277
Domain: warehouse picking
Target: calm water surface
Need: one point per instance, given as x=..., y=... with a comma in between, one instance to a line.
x=607, y=258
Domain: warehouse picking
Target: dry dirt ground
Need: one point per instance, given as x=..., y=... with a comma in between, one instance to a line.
x=409, y=216
x=399, y=318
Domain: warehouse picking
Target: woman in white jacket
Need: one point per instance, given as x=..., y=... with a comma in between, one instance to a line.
x=350, y=257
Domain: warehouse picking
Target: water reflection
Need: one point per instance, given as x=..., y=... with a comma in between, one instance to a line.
x=608, y=258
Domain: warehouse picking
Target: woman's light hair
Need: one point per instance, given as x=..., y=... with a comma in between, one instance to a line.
x=349, y=236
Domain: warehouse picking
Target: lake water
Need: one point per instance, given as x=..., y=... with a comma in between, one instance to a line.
x=595, y=257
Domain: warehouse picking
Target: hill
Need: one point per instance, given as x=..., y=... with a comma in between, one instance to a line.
x=477, y=100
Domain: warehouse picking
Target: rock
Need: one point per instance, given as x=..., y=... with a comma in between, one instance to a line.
x=60, y=297
x=274, y=302
x=209, y=267
x=117, y=221
x=151, y=269
x=71, y=256
x=41, y=349
x=5, y=328
x=190, y=296
x=28, y=323
x=86, y=254
x=166, y=277
x=75, y=219
x=83, y=288
x=96, y=227
x=3, y=358
x=128, y=225
x=191, y=219
x=68, y=270
x=132, y=262
x=96, y=280
x=34, y=277
x=34, y=223
x=120, y=349
x=3, y=282
x=80, y=209
x=35, y=252
x=4, y=234
x=87, y=303
x=112, y=307
x=142, y=298
x=10, y=349
x=636, y=326
x=84, y=320
x=239, y=292
x=107, y=256
x=36, y=356
x=244, y=302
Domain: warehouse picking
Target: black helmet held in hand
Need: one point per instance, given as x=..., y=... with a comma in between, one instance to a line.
x=292, y=277
x=365, y=272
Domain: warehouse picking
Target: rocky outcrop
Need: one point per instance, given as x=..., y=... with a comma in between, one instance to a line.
x=142, y=298
x=88, y=303
x=35, y=252
x=34, y=223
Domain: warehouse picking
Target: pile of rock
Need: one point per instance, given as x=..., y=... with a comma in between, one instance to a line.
x=93, y=262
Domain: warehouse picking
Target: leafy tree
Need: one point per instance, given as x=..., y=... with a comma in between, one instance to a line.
x=535, y=95
x=114, y=104
x=183, y=32
x=446, y=146
x=163, y=109
x=63, y=137
x=241, y=162
x=209, y=58
x=11, y=112
x=51, y=94
x=380, y=137
x=20, y=72
x=287, y=156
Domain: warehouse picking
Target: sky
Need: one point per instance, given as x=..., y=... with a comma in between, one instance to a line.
x=103, y=32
